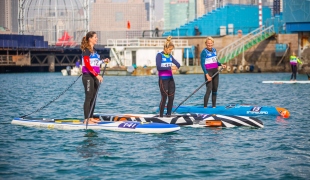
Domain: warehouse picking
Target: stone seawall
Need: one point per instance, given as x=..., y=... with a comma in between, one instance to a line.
x=261, y=56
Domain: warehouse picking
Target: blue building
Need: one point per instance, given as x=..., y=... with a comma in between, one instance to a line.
x=296, y=15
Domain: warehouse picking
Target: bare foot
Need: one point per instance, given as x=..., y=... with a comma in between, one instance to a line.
x=91, y=121
x=96, y=120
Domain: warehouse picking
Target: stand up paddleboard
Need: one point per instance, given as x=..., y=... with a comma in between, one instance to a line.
x=76, y=124
x=286, y=82
x=193, y=120
x=236, y=109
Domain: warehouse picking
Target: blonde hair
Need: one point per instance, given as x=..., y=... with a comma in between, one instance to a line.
x=209, y=38
x=85, y=41
x=168, y=42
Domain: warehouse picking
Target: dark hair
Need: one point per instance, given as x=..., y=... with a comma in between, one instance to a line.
x=85, y=41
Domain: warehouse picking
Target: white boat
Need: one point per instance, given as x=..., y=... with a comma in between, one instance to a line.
x=75, y=71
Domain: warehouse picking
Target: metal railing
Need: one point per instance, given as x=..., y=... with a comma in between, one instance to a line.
x=244, y=43
x=144, y=42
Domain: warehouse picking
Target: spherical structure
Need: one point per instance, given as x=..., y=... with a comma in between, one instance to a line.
x=57, y=20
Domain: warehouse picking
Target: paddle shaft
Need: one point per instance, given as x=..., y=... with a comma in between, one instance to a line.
x=197, y=89
x=93, y=104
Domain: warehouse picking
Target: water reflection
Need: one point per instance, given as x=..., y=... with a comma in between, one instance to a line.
x=92, y=146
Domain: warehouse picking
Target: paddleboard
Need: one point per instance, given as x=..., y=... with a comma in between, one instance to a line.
x=235, y=109
x=193, y=120
x=287, y=82
x=76, y=124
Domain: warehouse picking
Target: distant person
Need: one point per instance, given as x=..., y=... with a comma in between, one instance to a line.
x=164, y=64
x=77, y=64
x=90, y=69
x=209, y=65
x=197, y=33
x=156, y=31
x=293, y=61
x=197, y=49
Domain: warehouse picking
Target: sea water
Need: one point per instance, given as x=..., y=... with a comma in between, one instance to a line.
x=280, y=150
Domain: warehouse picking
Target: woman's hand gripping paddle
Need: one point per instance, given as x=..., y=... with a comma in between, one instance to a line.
x=93, y=104
x=197, y=89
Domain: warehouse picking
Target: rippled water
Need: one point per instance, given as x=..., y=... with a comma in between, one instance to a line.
x=281, y=150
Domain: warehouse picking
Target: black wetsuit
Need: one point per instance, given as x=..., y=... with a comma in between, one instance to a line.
x=166, y=82
x=90, y=69
x=167, y=89
x=212, y=85
x=294, y=72
x=209, y=64
x=91, y=84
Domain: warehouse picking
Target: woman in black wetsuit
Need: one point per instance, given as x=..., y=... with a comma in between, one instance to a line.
x=90, y=69
x=164, y=61
x=209, y=65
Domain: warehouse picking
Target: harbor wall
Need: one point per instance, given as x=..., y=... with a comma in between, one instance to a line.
x=261, y=56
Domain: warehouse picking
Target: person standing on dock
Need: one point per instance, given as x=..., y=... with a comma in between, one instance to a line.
x=164, y=61
x=293, y=61
x=209, y=65
x=77, y=64
x=90, y=69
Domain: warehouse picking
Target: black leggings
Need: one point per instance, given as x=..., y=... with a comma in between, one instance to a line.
x=294, y=72
x=91, y=85
x=167, y=89
x=213, y=85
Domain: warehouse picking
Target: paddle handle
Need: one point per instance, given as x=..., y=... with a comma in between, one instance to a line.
x=197, y=89
x=93, y=104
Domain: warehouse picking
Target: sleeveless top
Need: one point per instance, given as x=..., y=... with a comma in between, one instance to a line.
x=211, y=59
x=165, y=62
x=94, y=59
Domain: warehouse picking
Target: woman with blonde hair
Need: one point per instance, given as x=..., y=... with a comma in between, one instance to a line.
x=164, y=64
x=91, y=77
x=209, y=65
x=294, y=60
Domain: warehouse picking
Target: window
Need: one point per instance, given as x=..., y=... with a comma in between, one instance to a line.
x=119, y=16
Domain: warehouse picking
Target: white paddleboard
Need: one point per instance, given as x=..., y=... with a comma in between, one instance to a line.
x=286, y=82
x=75, y=124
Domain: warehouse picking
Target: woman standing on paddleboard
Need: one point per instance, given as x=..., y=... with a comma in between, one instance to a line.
x=293, y=61
x=209, y=65
x=164, y=61
x=90, y=69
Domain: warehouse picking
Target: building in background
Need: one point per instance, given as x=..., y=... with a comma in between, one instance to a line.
x=54, y=19
x=213, y=4
x=178, y=12
x=297, y=17
x=14, y=16
x=109, y=19
x=6, y=16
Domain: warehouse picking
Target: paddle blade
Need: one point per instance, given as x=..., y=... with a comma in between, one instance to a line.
x=90, y=133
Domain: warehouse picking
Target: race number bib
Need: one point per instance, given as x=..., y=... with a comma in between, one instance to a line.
x=166, y=64
x=210, y=60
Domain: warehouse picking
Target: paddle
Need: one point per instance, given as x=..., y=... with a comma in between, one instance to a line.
x=197, y=89
x=93, y=104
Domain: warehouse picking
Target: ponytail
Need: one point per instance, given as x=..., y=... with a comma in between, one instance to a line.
x=85, y=42
x=168, y=42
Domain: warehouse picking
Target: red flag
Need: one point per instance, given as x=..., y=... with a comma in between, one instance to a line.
x=128, y=24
